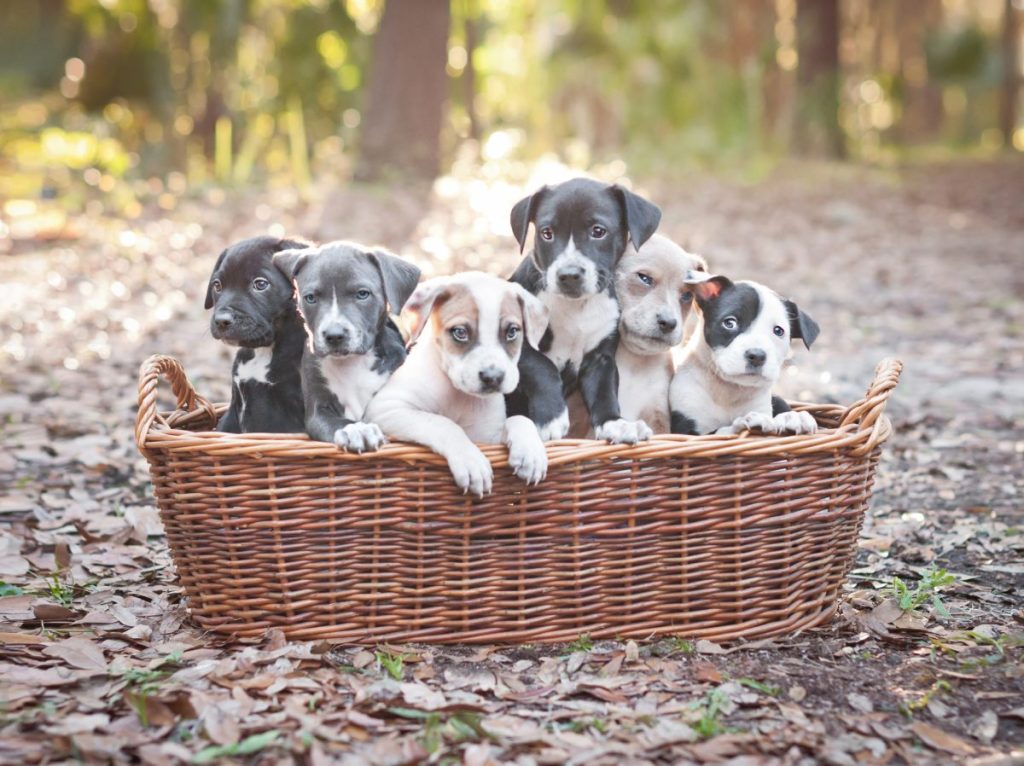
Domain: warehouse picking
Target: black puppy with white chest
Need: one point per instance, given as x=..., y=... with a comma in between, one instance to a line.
x=352, y=346
x=254, y=310
x=582, y=229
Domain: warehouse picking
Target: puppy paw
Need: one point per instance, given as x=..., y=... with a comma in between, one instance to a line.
x=623, y=431
x=472, y=471
x=752, y=421
x=360, y=437
x=795, y=423
x=526, y=454
x=555, y=429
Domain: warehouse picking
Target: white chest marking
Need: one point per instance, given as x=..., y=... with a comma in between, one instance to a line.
x=353, y=381
x=256, y=370
x=577, y=325
x=643, y=388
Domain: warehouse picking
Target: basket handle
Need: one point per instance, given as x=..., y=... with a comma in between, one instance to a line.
x=867, y=411
x=150, y=372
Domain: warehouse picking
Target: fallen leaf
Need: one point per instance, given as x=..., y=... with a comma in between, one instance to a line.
x=78, y=652
x=938, y=739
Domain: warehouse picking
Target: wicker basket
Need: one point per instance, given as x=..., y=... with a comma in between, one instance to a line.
x=711, y=536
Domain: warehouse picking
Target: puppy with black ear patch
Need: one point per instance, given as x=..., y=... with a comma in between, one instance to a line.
x=450, y=393
x=254, y=310
x=724, y=381
x=352, y=347
x=582, y=229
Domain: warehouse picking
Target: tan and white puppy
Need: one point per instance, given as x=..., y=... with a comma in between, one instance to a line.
x=654, y=303
x=468, y=332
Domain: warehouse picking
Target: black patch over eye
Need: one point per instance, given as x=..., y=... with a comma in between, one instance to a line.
x=645, y=278
x=260, y=284
x=598, y=232
x=309, y=298
x=547, y=234
x=779, y=330
x=511, y=333
x=730, y=323
x=686, y=297
x=217, y=286
x=362, y=294
x=459, y=334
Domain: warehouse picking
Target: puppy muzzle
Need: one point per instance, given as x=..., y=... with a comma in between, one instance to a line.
x=338, y=339
x=239, y=329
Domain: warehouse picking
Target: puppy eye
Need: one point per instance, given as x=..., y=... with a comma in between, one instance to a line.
x=309, y=298
x=362, y=295
x=779, y=330
x=686, y=297
x=217, y=286
x=459, y=334
x=547, y=234
x=260, y=284
x=730, y=323
x=598, y=232
x=511, y=333
x=645, y=278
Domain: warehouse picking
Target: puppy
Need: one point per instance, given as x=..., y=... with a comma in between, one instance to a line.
x=655, y=303
x=582, y=229
x=451, y=391
x=352, y=345
x=253, y=309
x=724, y=381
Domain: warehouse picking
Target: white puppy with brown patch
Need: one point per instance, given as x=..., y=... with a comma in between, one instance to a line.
x=468, y=332
x=654, y=302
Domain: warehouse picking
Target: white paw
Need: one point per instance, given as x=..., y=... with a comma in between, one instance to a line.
x=360, y=437
x=623, y=431
x=526, y=454
x=752, y=421
x=471, y=470
x=555, y=429
x=795, y=423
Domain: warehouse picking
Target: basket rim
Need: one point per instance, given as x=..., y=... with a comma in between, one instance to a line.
x=861, y=428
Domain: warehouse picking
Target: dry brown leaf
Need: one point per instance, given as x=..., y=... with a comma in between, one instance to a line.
x=936, y=738
x=78, y=652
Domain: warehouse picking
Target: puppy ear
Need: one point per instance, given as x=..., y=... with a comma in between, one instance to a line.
x=421, y=303
x=642, y=217
x=705, y=286
x=209, y=285
x=290, y=262
x=399, y=278
x=801, y=325
x=524, y=212
x=535, y=315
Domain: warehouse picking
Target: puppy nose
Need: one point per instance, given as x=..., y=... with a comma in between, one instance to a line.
x=223, y=320
x=335, y=337
x=755, y=357
x=667, y=323
x=491, y=377
x=570, y=276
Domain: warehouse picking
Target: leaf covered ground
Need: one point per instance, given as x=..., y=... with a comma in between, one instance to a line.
x=923, y=663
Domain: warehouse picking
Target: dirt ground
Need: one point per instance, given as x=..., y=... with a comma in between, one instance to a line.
x=100, y=664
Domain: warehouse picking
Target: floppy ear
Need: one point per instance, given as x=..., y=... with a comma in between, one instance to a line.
x=209, y=285
x=642, y=217
x=801, y=325
x=535, y=315
x=417, y=308
x=290, y=262
x=399, y=278
x=705, y=286
x=524, y=212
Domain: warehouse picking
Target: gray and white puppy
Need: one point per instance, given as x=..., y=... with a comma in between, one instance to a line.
x=344, y=294
x=724, y=381
x=254, y=311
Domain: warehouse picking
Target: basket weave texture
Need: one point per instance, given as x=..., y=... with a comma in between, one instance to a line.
x=714, y=537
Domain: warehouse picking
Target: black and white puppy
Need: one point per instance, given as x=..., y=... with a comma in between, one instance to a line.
x=254, y=310
x=344, y=292
x=582, y=229
x=724, y=381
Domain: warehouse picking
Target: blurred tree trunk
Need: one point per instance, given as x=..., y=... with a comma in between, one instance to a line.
x=471, y=32
x=401, y=129
x=816, y=130
x=1011, y=73
x=921, y=99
